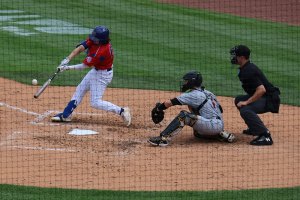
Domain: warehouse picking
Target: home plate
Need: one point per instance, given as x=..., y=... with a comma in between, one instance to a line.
x=82, y=132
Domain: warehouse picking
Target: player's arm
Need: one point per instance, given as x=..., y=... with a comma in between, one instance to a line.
x=80, y=48
x=75, y=52
x=169, y=103
x=259, y=92
x=64, y=63
x=157, y=113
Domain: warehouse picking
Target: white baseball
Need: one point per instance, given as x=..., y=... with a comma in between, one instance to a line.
x=34, y=82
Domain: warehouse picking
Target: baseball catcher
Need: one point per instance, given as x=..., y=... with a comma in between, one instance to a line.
x=204, y=115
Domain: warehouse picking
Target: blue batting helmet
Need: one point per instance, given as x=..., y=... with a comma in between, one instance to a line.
x=100, y=35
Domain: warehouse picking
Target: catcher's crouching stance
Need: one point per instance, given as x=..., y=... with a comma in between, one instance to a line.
x=205, y=116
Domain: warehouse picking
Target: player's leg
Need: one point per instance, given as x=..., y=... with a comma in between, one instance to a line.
x=78, y=95
x=98, y=85
x=176, y=125
x=250, y=115
x=212, y=129
x=250, y=112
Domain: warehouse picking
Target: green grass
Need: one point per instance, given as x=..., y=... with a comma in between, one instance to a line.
x=154, y=45
x=24, y=192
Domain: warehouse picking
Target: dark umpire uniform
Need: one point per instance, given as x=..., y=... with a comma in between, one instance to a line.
x=261, y=96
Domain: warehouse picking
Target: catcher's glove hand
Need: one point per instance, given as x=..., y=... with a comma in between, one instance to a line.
x=156, y=114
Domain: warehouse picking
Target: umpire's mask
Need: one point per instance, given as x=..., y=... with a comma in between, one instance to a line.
x=239, y=50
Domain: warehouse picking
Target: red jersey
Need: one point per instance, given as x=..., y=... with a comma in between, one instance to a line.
x=99, y=56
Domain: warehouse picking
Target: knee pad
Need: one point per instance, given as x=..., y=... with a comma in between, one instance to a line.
x=182, y=119
x=188, y=118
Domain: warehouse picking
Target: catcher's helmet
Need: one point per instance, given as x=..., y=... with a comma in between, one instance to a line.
x=191, y=80
x=100, y=35
x=239, y=50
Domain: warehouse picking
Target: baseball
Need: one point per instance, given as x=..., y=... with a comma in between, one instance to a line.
x=34, y=82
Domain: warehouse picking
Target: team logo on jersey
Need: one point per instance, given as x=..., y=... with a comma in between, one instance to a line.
x=88, y=59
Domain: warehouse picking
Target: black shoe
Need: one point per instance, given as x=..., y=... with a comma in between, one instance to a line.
x=158, y=141
x=248, y=132
x=264, y=139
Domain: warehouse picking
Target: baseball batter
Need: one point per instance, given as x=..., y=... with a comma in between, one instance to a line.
x=204, y=116
x=100, y=58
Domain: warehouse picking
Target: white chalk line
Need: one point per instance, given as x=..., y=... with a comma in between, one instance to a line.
x=41, y=117
x=37, y=121
x=19, y=109
x=10, y=138
x=14, y=135
x=43, y=148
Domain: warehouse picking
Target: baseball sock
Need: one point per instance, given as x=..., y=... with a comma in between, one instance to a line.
x=70, y=108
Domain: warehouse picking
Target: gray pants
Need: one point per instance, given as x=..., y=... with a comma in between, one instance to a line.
x=249, y=113
x=201, y=125
x=208, y=127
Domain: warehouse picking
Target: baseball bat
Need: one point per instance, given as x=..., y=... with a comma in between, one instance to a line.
x=45, y=85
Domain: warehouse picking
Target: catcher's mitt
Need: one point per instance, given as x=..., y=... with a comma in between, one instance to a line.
x=156, y=114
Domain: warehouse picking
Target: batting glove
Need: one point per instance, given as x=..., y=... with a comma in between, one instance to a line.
x=63, y=68
x=64, y=61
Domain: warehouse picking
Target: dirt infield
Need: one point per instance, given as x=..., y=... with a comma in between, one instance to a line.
x=287, y=11
x=37, y=152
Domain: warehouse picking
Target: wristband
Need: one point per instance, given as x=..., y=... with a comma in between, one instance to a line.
x=162, y=107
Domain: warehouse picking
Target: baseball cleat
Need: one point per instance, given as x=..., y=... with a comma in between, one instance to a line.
x=126, y=116
x=158, y=141
x=59, y=118
x=228, y=137
x=264, y=139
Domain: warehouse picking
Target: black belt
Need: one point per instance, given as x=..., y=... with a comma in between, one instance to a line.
x=104, y=69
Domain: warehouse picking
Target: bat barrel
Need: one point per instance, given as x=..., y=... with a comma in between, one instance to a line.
x=45, y=85
x=39, y=92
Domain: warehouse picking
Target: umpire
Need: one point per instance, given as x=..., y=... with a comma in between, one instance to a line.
x=261, y=96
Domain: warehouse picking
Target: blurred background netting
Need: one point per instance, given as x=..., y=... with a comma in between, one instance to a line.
x=95, y=156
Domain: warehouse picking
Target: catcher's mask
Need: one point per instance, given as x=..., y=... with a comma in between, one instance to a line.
x=239, y=50
x=100, y=35
x=191, y=80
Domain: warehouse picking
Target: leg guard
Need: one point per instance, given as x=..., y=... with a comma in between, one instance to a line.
x=69, y=109
x=184, y=118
